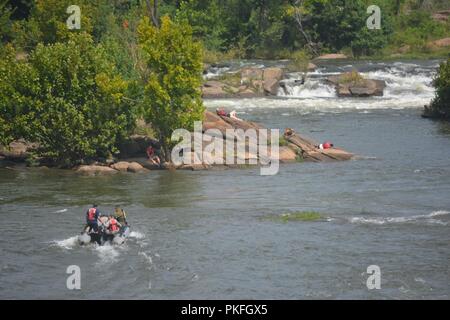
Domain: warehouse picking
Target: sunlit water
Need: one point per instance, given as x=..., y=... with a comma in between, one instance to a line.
x=211, y=234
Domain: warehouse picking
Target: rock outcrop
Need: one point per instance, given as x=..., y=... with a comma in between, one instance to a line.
x=17, y=150
x=298, y=147
x=254, y=82
x=95, y=169
x=308, y=150
x=358, y=87
x=135, y=167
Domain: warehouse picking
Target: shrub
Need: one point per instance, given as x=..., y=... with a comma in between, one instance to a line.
x=440, y=106
x=68, y=98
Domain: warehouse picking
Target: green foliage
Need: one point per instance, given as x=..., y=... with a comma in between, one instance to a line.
x=351, y=77
x=440, y=106
x=5, y=20
x=347, y=20
x=68, y=98
x=417, y=29
x=47, y=22
x=300, y=60
x=205, y=18
x=172, y=93
x=303, y=216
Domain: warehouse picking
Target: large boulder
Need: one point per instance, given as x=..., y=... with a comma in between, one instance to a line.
x=121, y=166
x=135, y=167
x=357, y=88
x=273, y=73
x=368, y=88
x=287, y=154
x=17, y=150
x=272, y=78
x=248, y=75
x=311, y=66
x=217, y=90
x=95, y=169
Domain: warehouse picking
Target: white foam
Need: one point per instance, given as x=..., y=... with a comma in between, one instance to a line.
x=136, y=235
x=68, y=244
x=61, y=211
x=428, y=218
x=107, y=253
x=312, y=88
x=408, y=86
x=147, y=258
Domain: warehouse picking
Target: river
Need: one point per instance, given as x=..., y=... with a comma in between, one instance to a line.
x=212, y=234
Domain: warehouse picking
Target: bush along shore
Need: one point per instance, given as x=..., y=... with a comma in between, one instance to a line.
x=440, y=106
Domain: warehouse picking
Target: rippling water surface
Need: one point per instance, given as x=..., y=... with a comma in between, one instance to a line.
x=206, y=235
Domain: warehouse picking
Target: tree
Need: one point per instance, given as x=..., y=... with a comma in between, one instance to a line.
x=68, y=98
x=172, y=93
x=440, y=106
x=5, y=20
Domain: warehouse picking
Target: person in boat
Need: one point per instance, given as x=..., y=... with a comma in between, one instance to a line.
x=112, y=226
x=92, y=216
x=325, y=146
x=120, y=216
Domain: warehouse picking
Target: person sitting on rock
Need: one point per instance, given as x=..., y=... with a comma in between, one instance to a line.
x=325, y=146
x=152, y=154
x=288, y=132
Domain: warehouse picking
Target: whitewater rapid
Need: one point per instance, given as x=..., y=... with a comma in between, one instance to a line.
x=408, y=85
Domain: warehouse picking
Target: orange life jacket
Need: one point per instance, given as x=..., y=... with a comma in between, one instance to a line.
x=91, y=214
x=113, y=225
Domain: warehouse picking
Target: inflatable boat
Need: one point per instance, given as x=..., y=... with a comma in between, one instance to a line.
x=103, y=236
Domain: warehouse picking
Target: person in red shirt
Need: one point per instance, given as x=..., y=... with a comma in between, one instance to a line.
x=152, y=156
x=325, y=145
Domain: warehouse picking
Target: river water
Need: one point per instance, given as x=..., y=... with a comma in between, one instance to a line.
x=214, y=234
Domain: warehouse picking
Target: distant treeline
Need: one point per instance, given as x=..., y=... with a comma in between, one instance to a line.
x=242, y=28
